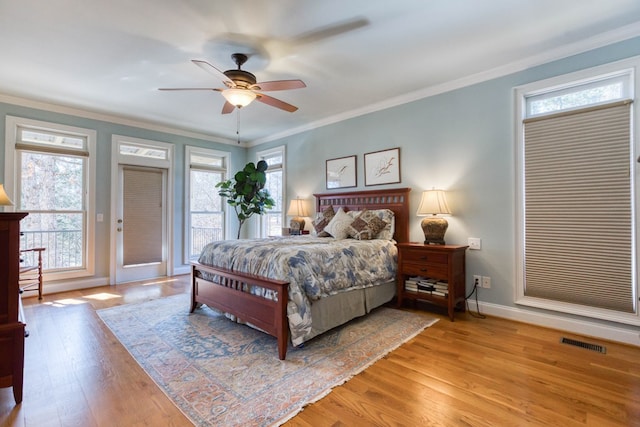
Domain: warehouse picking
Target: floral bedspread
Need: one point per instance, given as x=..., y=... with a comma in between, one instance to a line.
x=313, y=266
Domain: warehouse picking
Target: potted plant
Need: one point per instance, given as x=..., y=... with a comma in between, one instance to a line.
x=246, y=192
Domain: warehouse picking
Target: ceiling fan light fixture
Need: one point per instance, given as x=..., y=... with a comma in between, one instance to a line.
x=239, y=97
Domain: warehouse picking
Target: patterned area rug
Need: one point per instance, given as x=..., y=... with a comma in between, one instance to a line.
x=222, y=373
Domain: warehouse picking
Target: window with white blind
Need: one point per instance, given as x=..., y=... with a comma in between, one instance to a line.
x=576, y=196
x=50, y=170
x=205, y=209
x=271, y=222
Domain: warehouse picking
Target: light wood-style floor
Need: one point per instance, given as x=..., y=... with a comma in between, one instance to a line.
x=472, y=372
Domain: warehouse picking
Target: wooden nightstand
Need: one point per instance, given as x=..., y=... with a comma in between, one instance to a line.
x=441, y=269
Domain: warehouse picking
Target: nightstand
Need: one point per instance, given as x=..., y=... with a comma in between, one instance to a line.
x=433, y=273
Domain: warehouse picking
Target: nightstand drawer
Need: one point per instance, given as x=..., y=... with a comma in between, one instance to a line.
x=422, y=256
x=435, y=271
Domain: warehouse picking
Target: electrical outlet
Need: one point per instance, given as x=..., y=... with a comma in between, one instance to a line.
x=477, y=280
x=474, y=243
x=486, y=282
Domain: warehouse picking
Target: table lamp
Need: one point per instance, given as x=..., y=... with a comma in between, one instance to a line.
x=297, y=210
x=433, y=203
x=4, y=199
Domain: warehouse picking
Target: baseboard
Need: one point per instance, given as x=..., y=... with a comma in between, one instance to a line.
x=577, y=326
x=183, y=269
x=74, y=285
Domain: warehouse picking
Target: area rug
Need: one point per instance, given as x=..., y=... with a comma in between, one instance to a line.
x=220, y=373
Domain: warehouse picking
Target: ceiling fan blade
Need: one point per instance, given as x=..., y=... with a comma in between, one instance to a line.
x=265, y=99
x=214, y=71
x=329, y=31
x=278, y=85
x=227, y=107
x=189, y=88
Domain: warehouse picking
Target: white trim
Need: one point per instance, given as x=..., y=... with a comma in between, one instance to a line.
x=581, y=46
x=11, y=128
x=560, y=323
x=189, y=151
x=116, y=161
x=281, y=150
x=110, y=118
x=73, y=285
x=595, y=42
x=628, y=66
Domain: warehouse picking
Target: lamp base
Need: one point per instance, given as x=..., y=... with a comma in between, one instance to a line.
x=296, y=225
x=434, y=229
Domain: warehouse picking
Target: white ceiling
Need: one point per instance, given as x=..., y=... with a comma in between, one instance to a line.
x=356, y=56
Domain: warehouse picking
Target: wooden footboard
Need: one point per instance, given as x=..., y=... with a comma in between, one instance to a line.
x=229, y=293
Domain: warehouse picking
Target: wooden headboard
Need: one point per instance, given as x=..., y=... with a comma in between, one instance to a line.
x=396, y=199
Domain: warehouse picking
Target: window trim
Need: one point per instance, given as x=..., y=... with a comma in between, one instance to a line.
x=189, y=151
x=627, y=67
x=13, y=124
x=261, y=155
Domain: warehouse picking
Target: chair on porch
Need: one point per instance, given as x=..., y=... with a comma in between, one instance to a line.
x=31, y=270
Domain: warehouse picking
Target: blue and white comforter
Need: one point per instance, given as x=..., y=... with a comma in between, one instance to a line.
x=313, y=266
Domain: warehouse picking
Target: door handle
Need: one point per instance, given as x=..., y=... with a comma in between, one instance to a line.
x=119, y=221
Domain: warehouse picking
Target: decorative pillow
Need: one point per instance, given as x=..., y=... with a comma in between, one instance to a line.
x=389, y=230
x=387, y=216
x=322, y=219
x=366, y=226
x=339, y=225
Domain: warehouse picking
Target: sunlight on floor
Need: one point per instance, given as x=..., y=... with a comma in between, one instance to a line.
x=65, y=302
x=103, y=296
x=160, y=282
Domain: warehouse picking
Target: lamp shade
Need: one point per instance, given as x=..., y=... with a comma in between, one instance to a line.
x=4, y=199
x=297, y=208
x=239, y=97
x=433, y=202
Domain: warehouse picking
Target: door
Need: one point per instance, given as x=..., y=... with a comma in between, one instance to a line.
x=141, y=239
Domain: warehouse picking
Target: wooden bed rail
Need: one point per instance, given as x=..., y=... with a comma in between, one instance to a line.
x=230, y=292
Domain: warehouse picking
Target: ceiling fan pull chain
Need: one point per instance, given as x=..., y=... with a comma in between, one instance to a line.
x=238, y=124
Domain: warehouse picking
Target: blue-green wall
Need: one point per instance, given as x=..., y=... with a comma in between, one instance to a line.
x=105, y=130
x=462, y=141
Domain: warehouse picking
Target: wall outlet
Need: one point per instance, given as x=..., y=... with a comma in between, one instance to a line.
x=486, y=282
x=477, y=280
x=474, y=243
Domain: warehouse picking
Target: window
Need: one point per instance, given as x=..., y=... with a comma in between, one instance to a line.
x=205, y=208
x=576, y=196
x=271, y=222
x=51, y=170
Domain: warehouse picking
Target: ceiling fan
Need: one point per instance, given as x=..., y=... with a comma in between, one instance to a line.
x=243, y=87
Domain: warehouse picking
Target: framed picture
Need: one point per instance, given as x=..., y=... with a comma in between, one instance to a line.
x=382, y=167
x=341, y=172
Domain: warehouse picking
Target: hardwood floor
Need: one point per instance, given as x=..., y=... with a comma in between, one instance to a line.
x=471, y=372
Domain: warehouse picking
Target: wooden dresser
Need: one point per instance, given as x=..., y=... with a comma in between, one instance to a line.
x=11, y=329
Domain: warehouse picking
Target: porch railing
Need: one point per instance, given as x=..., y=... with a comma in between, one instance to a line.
x=63, y=248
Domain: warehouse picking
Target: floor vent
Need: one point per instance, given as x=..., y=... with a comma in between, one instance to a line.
x=593, y=347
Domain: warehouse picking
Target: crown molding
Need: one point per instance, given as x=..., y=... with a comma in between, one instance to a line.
x=561, y=52
x=87, y=114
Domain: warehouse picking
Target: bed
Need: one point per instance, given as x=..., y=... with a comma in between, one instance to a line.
x=220, y=284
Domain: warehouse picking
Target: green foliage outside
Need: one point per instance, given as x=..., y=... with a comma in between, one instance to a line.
x=246, y=192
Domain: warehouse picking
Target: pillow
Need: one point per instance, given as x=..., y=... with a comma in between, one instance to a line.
x=322, y=219
x=339, y=225
x=387, y=216
x=366, y=226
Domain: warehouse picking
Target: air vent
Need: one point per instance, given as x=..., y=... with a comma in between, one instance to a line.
x=588, y=346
